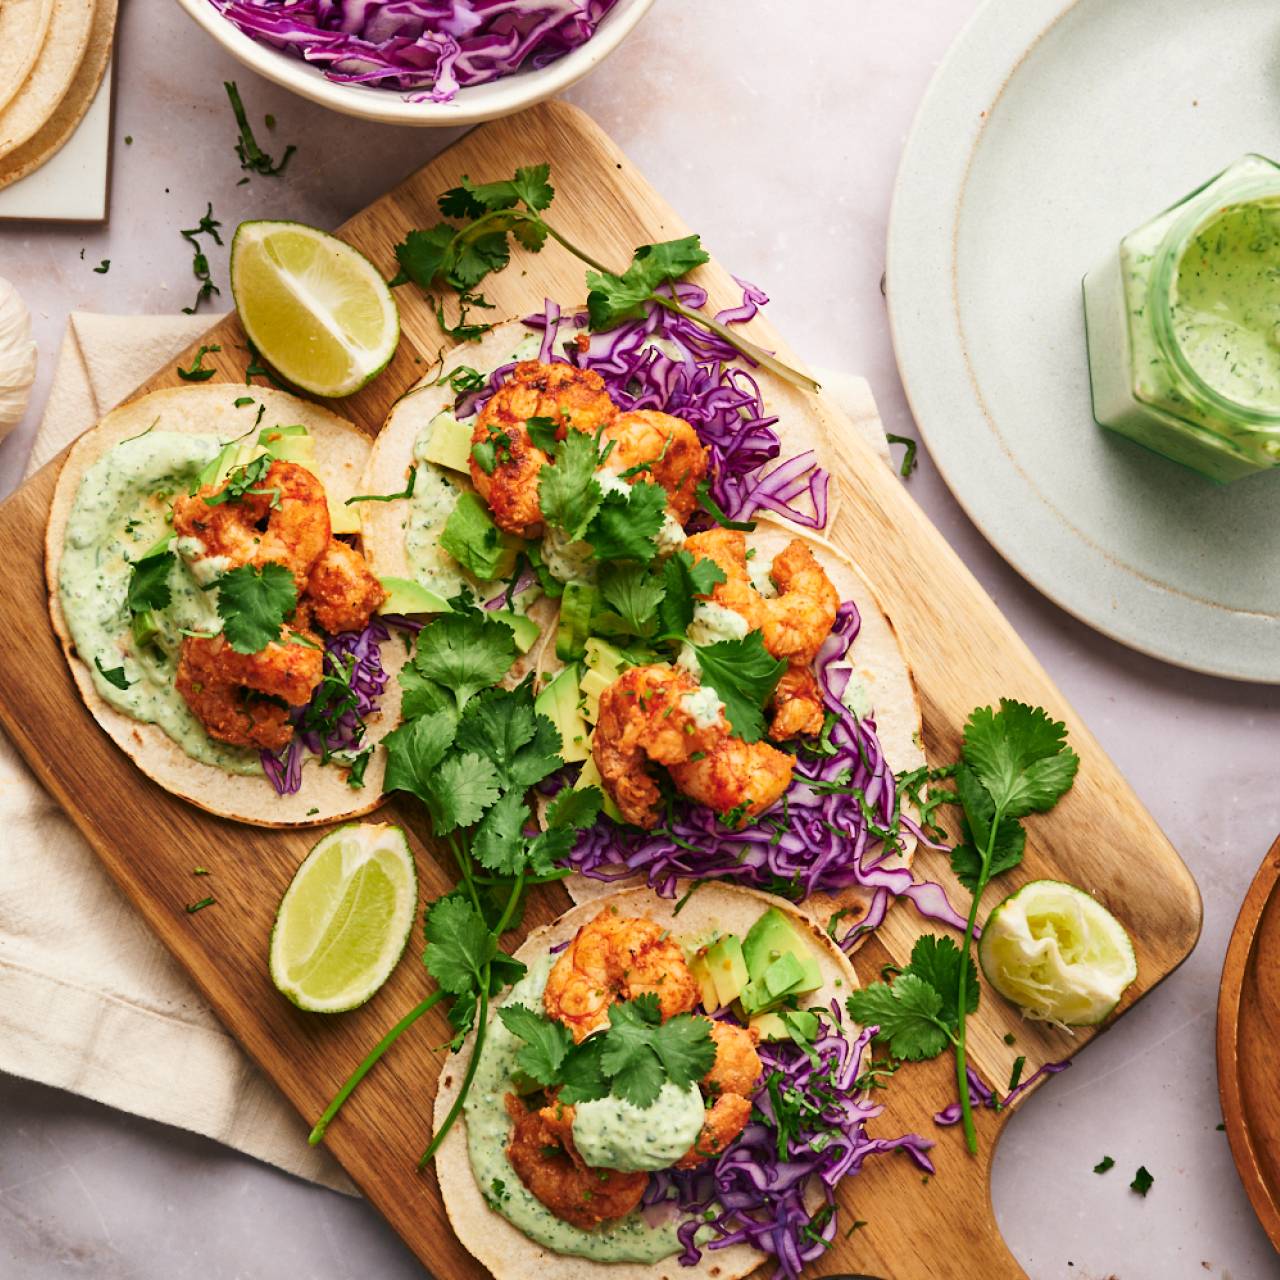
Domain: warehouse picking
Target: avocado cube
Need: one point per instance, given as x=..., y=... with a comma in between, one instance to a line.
x=784, y=976
x=449, y=444
x=772, y=936
x=593, y=685
x=780, y=1026
x=559, y=703
x=605, y=658
x=728, y=968
x=590, y=777
x=289, y=444
x=701, y=970
x=523, y=628
x=404, y=595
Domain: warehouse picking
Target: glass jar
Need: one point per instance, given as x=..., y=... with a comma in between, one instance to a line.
x=1183, y=327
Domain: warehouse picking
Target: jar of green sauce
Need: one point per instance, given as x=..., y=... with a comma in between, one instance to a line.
x=1183, y=327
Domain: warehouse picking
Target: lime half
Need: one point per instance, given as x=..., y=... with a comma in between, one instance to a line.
x=1057, y=953
x=345, y=918
x=316, y=308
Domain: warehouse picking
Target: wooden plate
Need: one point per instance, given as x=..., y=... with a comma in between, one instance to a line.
x=1249, y=1043
x=963, y=653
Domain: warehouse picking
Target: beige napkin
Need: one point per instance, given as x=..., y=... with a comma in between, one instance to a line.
x=89, y=999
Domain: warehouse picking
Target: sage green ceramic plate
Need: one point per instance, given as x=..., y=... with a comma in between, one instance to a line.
x=1051, y=130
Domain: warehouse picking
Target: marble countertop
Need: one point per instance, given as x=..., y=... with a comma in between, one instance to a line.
x=785, y=164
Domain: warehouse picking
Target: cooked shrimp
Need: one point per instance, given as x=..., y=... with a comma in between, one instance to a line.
x=729, y=1087
x=244, y=698
x=284, y=519
x=617, y=958
x=342, y=589
x=542, y=1153
x=669, y=448
x=793, y=624
x=736, y=777
x=643, y=719
x=569, y=397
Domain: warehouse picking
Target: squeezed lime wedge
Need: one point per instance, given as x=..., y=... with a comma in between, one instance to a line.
x=317, y=309
x=345, y=918
x=1057, y=953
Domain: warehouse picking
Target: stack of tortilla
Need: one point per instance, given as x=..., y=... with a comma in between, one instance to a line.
x=52, y=57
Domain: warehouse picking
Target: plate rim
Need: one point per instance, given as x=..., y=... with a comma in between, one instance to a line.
x=974, y=74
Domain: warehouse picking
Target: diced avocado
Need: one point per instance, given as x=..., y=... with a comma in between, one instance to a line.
x=593, y=684
x=590, y=777
x=559, y=703
x=779, y=960
x=145, y=627
x=404, y=595
x=774, y=1026
x=476, y=543
x=728, y=968
x=576, y=607
x=218, y=466
x=701, y=970
x=525, y=629
x=605, y=658
x=289, y=444
x=158, y=547
x=449, y=444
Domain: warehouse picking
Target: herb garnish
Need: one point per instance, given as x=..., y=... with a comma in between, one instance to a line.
x=251, y=155
x=257, y=369
x=1014, y=762
x=461, y=255
x=197, y=372
x=193, y=907
x=1142, y=1181
x=1104, y=1164
x=406, y=492
x=253, y=603
x=241, y=481
x=908, y=453
x=103, y=267
x=208, y=225
x=112, y=675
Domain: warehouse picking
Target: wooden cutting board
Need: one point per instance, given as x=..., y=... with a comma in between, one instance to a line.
x=1248, y=1033
x=963, y=652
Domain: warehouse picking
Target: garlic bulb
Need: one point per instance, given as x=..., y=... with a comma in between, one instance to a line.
x=17, y=357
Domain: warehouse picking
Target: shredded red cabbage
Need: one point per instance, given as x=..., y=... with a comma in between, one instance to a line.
x=835, y=827
x=807, y=1132
x=428, y=49
x=982, y=1095
x=334, y=720
x=699, y=377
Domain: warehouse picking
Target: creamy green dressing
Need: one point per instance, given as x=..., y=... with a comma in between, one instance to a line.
x=636, y=1238
x=122, y=508
x=432, y=503
x=1226, y=307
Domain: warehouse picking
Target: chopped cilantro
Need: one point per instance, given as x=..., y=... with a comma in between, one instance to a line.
x=113, y=675
x=197, y=372
x=908, y=453
x=1142, y=1181
x=193, y=907
x=744, y=675
x=406, y=492
x=251, y=155
x=103, y=267
x=149, y=582
x=1104, y=1164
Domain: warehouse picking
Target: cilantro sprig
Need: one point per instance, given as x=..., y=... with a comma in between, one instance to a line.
x=470, y=753
x=1013, y=762
x=253, y=603
x=461, y=254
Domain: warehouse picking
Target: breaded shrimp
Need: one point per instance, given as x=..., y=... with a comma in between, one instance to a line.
x=728, y=1086
x=342, y=589
x=569, y=397
x=283, y=519
x=676, y=458
x=542, y=1153
x=617, y=958
x=244, y=698
x=793, y=624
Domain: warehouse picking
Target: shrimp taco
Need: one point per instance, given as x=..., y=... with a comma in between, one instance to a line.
x=665, y=1092
x=217, y=615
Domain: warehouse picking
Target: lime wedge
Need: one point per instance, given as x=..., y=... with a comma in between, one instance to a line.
x=345, y=918
x=316, y=308
x=1057, y=953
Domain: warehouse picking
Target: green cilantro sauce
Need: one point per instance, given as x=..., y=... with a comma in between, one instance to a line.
x=630, y=1239
x=1226, y=308
x=120, y=512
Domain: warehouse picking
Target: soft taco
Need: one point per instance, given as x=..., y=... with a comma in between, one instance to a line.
x=213, y=608
x=564, y=1167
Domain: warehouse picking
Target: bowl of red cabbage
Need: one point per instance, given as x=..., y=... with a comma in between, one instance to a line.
x=421, y=62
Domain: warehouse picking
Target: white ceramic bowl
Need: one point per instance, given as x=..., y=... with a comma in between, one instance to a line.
x=471, y=105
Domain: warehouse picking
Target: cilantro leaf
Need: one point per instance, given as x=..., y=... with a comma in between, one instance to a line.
x=546, y=1043
x=937, y=961
x=575, y=809
x=634, y=593
x=1020, y=756
x=253, y=603
x=979, y=810
x=476, y=257
x=685, y=1048
x=744, y=675
x=583, y=1077
x=415, y=749
x=683, y=579
x=1104, y=1164
x=906, y=1012
x=532, y=184
x=465, y=653
x=459, y=944
x=1142, y=1181
x=502, y=726
x=422, y=255
x=422, y=696
x=629, y=1058
x=149, y=582
x=498, y=843
x=568, y=492
x=612, y=298
x=113, y=675
x=469, y=534
x=543, y=432
x=464, y=786
x=626, y=525
x=549, y=848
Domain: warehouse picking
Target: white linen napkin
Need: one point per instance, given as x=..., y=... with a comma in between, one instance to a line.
x=89, y=999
